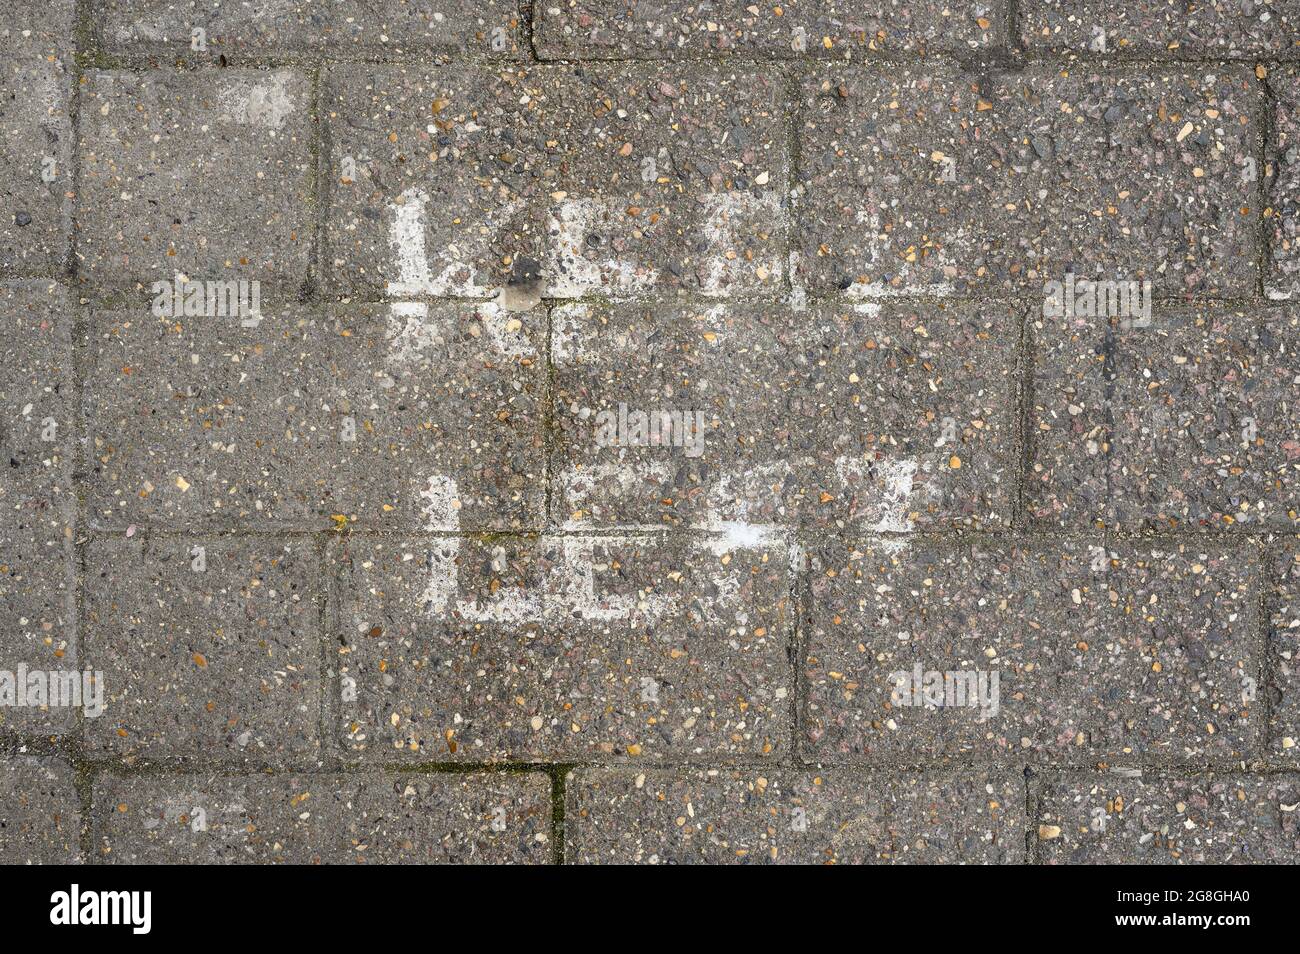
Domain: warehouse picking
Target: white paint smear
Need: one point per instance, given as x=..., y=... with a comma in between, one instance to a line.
x=726, y=526
x=882, y=290
x=740, y=497
x=569, y=590
x=570, y=587
x=571, y=268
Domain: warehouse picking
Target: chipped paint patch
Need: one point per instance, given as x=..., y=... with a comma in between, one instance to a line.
x=897, y=477
x=750, y=493
x=729, y=219
x=567, y=324
x=443, y=577
x=860, y=290
x=798, y=293
x=573, y=331
x=568, y=272
x=264, y=103
x=886, y=486
x=407, y=239
x=505, y=330
x=510, y=604
x=577, y=484
x=441, y=505
x=575, y=594
x=409, y=333
x=151, y=32
x=413, y=330
x=451, y=271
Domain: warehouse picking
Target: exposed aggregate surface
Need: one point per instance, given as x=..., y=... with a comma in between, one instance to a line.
x=361, y=576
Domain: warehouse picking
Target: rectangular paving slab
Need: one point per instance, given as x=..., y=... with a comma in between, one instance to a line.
x=612, y=180
x=1069, y=651
x=1157, y=28
x=1145, y=820
x=934, y=180
x=789, y=816
x=475, y=818
x=388, y=27
x=498, y=649
x=627, y=431
x=40, y=812
x=38, y=503
x=418, y=417
x=36, y=146
x=1190, y=421
x=874, y=416
x=1282, y=609
x=210, y=647
x=1283, y=182
x=208, y=174
x=614, y=29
